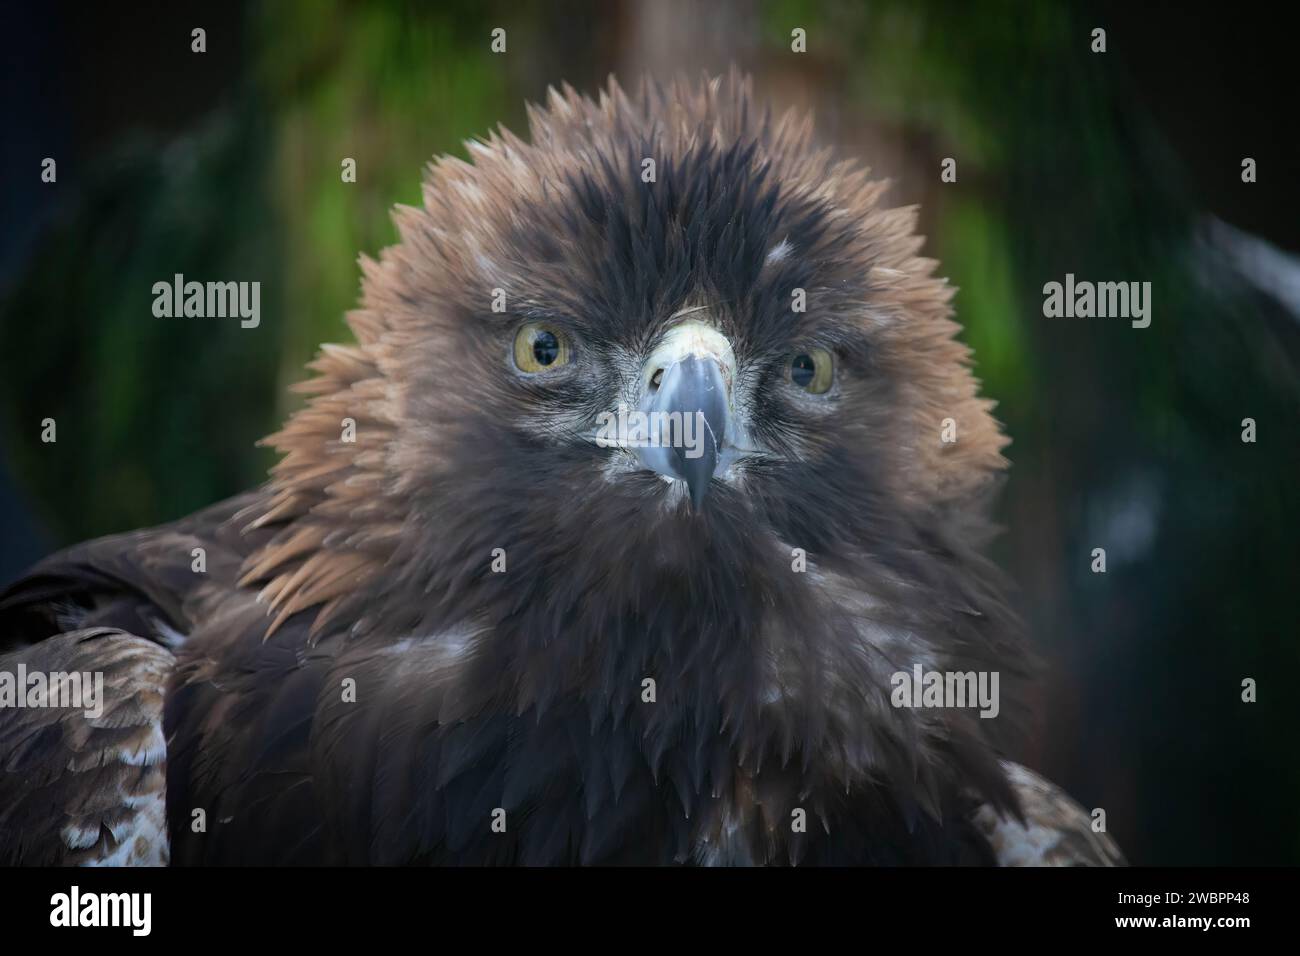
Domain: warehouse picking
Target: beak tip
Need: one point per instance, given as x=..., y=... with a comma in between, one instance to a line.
x=698, y=490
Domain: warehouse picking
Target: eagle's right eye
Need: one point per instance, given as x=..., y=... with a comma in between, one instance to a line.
x=540, y=347
x=812, y=370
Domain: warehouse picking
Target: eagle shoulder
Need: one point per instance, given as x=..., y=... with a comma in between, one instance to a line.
x=85, y=784
x=1055, y=831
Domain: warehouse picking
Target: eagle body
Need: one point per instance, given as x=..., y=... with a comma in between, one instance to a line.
x=454, y=628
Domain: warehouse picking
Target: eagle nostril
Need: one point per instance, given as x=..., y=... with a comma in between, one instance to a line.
x=655, y=379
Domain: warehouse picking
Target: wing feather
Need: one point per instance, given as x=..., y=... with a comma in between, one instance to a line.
x=86, y=784
x=1055, y=831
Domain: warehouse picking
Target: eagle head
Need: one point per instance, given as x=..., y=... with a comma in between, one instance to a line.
x=662, y=398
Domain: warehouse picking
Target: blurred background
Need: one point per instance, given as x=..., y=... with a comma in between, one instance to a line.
x=1117, y=166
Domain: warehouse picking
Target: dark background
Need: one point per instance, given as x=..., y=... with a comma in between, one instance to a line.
x=1117, y=166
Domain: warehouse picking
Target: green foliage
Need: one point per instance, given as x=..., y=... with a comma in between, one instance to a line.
x=155, y=417
x=380, y=84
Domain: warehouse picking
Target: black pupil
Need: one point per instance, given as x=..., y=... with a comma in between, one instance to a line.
x=802, y=370
x=546, y=348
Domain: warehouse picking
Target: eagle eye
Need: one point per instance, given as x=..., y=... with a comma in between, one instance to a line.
x=813, y=370
x=539, y=347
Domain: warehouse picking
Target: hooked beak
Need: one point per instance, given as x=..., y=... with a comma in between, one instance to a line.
x=686, y=395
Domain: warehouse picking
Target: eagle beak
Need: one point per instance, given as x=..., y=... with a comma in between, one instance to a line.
x=686, y=396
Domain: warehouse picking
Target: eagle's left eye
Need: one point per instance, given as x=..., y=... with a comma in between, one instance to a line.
x=539, y=347
x=813, y=370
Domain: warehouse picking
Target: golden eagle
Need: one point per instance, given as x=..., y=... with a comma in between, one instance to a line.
x=469, y=621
